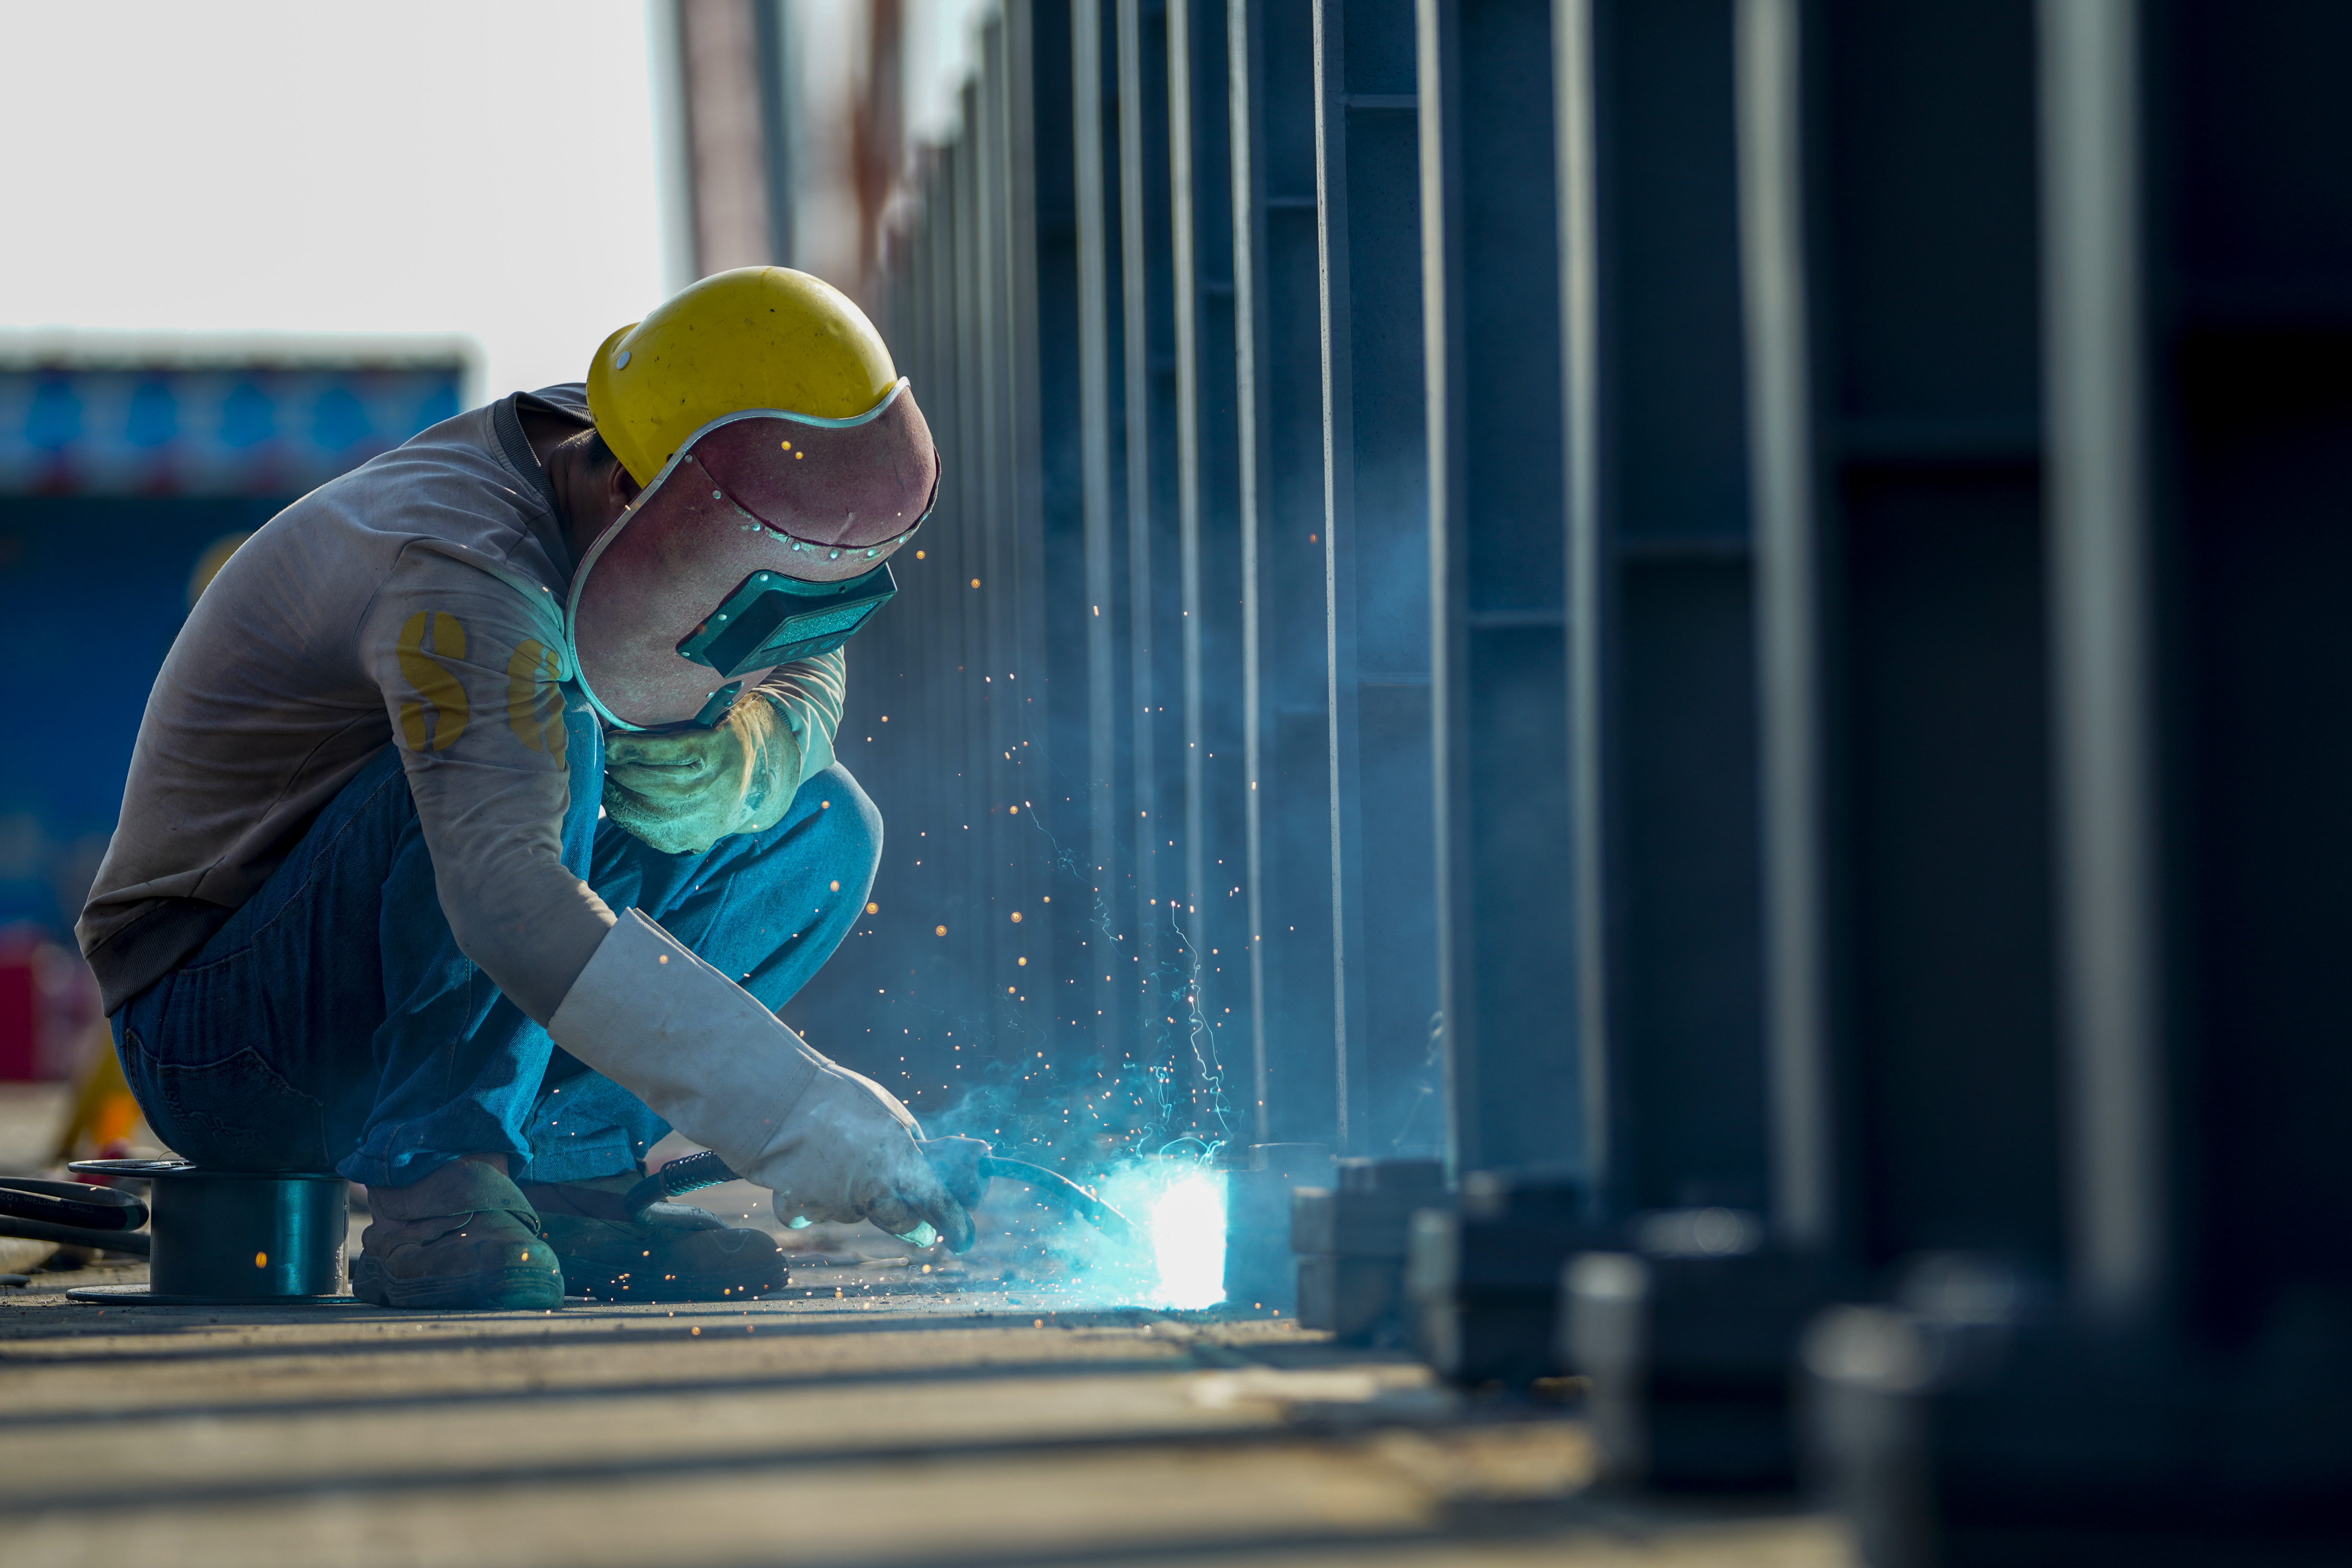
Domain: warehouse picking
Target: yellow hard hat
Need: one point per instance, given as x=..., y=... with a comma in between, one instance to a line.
x=757, y=337
x=783, y=461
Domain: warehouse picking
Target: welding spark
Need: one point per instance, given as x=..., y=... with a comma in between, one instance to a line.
x=1188, y=1240
x=1179, y=1203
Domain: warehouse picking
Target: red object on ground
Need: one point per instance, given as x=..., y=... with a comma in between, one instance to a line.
x=48, y=1001
x=20, y=1016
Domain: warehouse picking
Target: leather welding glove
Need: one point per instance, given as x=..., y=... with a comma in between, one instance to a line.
x=832, y=1162
x=957, y=1160
x=829, y=1143
x=682, y=790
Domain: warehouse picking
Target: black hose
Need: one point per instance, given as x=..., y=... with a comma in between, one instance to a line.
x=70, y=1204
x=690, y=1174
x=73, y=1213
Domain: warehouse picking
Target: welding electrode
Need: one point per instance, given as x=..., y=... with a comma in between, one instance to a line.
x=707, y=1170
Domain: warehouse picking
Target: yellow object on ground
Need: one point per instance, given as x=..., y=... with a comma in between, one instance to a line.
x=103, y=1111
x=756, y=337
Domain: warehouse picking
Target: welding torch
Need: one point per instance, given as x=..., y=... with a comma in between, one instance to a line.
x=707, y=1170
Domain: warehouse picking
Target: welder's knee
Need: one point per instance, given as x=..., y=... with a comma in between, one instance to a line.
x=847, y=823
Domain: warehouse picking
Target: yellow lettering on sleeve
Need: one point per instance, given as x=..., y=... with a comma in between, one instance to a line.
x=534, y=701
x=435, y=723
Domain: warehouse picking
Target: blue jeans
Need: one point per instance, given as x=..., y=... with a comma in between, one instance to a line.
x=333, y=1023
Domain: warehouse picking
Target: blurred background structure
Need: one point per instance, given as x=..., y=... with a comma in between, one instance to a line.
x=1707, y=639
x=1768, y=577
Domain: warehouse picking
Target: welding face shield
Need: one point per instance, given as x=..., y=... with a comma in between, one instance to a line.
x=763, y=540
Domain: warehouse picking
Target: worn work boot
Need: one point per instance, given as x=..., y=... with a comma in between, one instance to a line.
x=464, y=1236
x=675, y=1253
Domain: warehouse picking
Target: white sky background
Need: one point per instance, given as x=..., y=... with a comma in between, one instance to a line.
x=483, y=168
x=942, y=46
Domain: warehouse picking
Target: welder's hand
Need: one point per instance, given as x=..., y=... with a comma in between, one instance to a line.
x=682, y=790
x=849, y=1153
x=957, y=1160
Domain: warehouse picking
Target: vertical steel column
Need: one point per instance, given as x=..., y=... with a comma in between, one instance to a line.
x=953, y=720
x=1337, y=364
x=1044, y=118
x=1209, y=545
x=1498, y=586
x=1243, y=68
x=1164, y=997
x=1375, y=533
x=1011, y=315
x=2209, y=566
x=1188, y=445
x=2102, y=723
x=971, y=588
x=1773, y=270
x=1094, y=438
x=1135, y=179
x=1590, y=603
x=1898, y=470
x=1011, y=47
x=1662, y=632
x=969, y=951
x=1000, y=585
x=1275, y=265
x=1449, y=601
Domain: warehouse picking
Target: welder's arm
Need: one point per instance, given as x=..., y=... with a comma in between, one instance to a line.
x=828, y=1142
x=808, y=693
x=470, y=672
x=682, y=790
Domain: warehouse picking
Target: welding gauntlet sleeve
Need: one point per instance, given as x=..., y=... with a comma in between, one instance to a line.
x=721, y=1068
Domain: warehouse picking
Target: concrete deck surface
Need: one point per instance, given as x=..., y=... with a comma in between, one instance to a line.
x=867, y=1415
x=893, y=1424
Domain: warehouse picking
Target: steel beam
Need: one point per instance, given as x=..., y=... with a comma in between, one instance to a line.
x=1662, y=643
x=1279, y=408
x=1214, y=931
x=1094, y=424
x=1498, y=587
x=1375, y=536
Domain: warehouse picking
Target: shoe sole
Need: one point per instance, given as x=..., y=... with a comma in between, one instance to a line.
x=517, y=1289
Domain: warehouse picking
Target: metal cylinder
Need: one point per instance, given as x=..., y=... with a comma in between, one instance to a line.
x=239, y=1236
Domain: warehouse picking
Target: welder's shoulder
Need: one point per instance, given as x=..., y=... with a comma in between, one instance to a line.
x=570, y=396
x=452, y=491
x=457, y=481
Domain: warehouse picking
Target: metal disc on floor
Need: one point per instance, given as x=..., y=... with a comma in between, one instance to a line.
x=137, y=1295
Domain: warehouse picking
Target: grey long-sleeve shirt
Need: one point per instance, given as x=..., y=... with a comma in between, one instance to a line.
x=415, y=601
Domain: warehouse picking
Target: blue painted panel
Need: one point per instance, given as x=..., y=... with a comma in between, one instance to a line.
x=93, y=591
x=114, y=483
x=216, y=431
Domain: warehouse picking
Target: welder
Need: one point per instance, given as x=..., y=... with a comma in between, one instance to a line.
x=485, y=812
